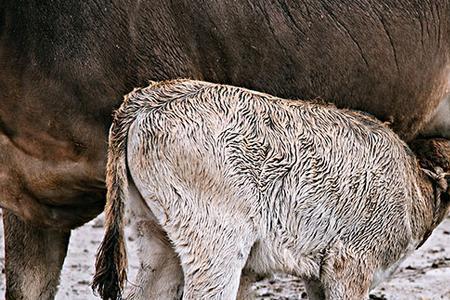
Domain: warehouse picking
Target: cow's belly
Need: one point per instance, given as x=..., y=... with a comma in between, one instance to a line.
x=439, y=124
x=58, y=193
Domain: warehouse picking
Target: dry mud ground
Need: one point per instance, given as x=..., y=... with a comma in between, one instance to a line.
x=425, y=275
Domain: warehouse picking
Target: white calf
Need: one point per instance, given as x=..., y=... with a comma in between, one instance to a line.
x=226, y=179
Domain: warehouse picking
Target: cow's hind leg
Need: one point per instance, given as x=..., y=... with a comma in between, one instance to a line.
x=213, y=254
x=33, y=259
x=160, y=275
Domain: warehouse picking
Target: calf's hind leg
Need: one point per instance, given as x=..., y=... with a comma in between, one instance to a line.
x=160, y=275
x=33, y=259
x=212, y=257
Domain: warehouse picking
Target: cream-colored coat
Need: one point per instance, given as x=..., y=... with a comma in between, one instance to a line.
x=220, y=179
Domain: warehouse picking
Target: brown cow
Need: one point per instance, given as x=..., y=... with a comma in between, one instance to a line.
x=64, y=66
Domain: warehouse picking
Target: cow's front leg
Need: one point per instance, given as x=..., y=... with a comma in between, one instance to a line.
x=33, y=259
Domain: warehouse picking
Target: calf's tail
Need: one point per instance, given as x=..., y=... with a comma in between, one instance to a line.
x=111, y=262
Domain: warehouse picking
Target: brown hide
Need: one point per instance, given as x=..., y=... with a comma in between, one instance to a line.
x=64, y=66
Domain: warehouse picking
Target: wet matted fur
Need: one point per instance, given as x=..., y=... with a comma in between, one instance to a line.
x=239, y=179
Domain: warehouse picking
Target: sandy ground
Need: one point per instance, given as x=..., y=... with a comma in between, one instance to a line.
x=425, y=275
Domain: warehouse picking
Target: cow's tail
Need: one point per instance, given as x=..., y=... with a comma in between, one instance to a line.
x=111, y=263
